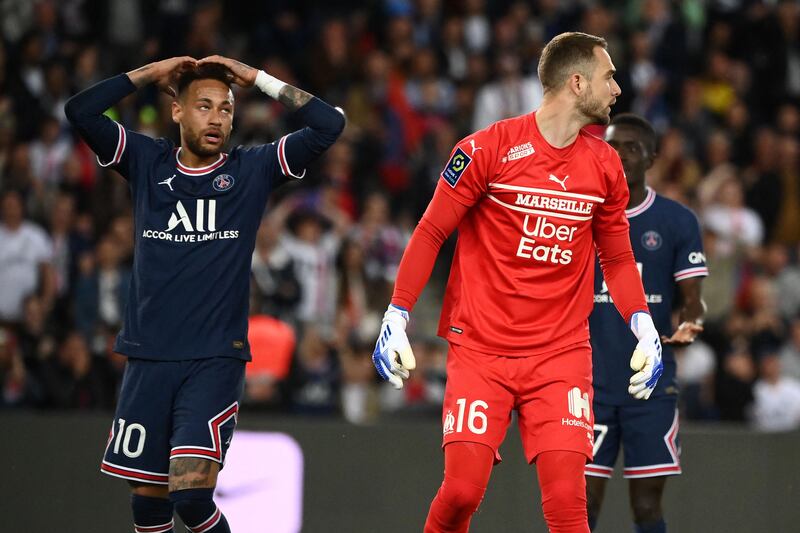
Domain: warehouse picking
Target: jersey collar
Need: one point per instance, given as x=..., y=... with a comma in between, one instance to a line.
x=644, y=206
x=199, y=171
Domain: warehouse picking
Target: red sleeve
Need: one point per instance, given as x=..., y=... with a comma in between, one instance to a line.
x=440, y=219
x=611, y=233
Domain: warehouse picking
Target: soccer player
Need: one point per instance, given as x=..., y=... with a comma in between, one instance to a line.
x=197, y=210
x=531, y=197
x=668, y=248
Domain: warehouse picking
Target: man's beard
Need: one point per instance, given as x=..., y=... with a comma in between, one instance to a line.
x=593, y=110
x=193, y=142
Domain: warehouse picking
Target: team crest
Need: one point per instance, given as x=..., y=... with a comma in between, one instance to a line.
x=223, y=182
x=456, y=166
x=651, y=240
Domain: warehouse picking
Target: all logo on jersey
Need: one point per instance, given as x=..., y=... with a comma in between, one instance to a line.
x=202, y=222
x=223, y=182
x=456, y=166
x=652, y=240
x=198, y=228
x=519, y=151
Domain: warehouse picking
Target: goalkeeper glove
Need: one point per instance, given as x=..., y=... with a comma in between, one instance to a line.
x=646, y=359
x=393, y=357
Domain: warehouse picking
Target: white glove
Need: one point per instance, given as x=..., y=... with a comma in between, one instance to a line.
x=393, y=357
x=646, y=359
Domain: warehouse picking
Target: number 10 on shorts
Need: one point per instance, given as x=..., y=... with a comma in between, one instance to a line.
x=476, y=419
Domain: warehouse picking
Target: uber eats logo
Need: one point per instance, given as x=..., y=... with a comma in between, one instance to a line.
x=197, y=226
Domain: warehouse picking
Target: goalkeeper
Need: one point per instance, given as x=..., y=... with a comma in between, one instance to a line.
x=531, y=198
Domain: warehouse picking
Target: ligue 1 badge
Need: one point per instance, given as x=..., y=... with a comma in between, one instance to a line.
x=223, y=182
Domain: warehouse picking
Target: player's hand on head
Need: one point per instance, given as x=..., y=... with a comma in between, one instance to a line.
x=163, y=73
x=241, y=74
x=646, y=358
x=393, y=357
x=686, y=333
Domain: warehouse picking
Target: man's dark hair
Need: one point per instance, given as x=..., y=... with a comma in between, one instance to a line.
x=207, y=71
x=565, y=54
x=649, y=135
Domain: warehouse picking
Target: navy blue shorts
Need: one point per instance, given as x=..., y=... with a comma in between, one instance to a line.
x=170, y=409
x=648, y=432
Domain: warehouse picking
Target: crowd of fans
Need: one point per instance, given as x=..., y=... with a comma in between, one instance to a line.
x=719, y=79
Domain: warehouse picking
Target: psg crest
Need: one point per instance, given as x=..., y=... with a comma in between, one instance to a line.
x=223, y=182
x=651, y=240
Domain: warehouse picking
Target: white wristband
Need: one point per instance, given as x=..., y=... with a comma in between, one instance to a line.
x=642, y=324
x=269, y=84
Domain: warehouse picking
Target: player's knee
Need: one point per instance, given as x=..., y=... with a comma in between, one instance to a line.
x=149, y=490
x=194, y=506
x=460, y=494
x=646, y=508
x=563, y=494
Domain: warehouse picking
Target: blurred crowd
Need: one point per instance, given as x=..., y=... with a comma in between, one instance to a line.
x=719, y=79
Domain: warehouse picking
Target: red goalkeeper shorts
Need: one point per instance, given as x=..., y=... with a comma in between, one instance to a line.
x=551, y=392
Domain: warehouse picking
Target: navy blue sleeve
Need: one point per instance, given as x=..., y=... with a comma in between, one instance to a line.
x=85, y=113
x=324, y=124
x=689, y=260
x=112, y=143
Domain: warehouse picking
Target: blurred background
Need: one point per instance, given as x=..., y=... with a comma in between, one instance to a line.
x=720, y=80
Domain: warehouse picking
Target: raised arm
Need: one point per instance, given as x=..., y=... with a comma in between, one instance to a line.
x=85, y=110
x=324, y=123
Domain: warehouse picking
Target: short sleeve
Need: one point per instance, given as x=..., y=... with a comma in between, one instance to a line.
x=291, y=155
x=467, y=173
x=133, y=152
x=689, y=260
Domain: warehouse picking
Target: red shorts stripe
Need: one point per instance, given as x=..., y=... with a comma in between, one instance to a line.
x=132, y=474
x=651, y=472
x=600, y=471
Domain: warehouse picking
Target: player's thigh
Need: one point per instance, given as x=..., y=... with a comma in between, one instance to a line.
x=607, y=440
x=555, y=405
x=205, y=412
x=650, y=438
x=138, y=443
x=477, y=402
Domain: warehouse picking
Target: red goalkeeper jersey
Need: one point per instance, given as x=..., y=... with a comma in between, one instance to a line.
x=521, y=281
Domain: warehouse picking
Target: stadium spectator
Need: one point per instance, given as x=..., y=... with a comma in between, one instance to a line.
x=26, y=254
x=776, y=398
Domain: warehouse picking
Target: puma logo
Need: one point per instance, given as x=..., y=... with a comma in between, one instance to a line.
x=560, y=182
x=474, y=148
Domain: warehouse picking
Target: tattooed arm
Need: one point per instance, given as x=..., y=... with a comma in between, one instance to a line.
x=323, y=123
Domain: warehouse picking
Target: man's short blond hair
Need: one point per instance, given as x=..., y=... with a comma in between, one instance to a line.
x=566, y=54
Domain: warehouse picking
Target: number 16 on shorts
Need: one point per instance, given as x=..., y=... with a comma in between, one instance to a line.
x=474, y=413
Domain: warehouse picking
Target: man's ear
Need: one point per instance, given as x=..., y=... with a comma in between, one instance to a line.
x=577, y=83
x=177, y=111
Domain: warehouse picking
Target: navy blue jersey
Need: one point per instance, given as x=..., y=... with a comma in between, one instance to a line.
x=668, y=247
x=195, y=227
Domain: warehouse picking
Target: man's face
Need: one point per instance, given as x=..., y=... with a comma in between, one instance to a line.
x=12, y=210
x=602, y=90
x=205, y=113
x=634, y=153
